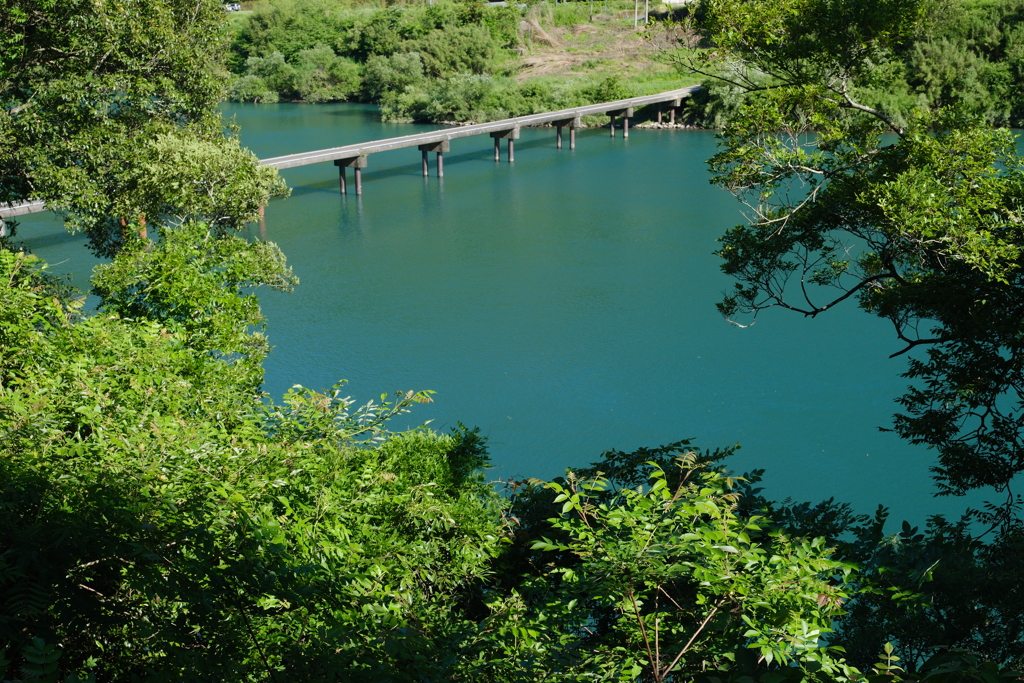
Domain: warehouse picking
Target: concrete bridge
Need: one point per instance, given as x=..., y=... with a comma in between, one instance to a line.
x=439, y=141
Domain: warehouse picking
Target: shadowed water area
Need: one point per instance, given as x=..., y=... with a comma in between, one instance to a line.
x=565, y=305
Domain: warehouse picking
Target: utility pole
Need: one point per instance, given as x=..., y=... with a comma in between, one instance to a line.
x=636, y=11
x=646, y=13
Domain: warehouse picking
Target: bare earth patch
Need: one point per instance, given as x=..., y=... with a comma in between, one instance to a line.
x=605, y=46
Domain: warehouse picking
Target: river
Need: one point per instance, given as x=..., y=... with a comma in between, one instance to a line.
x=564, y=304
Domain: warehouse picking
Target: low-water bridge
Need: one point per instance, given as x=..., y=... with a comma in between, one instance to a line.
x=438, y=141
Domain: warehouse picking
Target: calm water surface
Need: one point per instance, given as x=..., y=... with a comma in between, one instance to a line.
x=565, y=305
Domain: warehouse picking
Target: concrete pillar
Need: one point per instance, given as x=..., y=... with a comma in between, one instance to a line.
x=659, y=113
x=573, y=124
x=672, y=116
x=439, y=147
x=626, y=114
x=510, y=135
x=357, y=163
x=426, y=165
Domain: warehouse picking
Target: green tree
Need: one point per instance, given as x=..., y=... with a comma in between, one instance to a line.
x=392, y=74
x=89, y=92
x=658, y=566
x=912, y=213
x=915, y=221
x=322, y=76
x=161, y=521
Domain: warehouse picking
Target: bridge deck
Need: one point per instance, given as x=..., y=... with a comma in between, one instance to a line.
x=375, y=146
x=434, y=136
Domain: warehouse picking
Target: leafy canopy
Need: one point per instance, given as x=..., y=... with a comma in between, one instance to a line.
x=100, y=99
x=916, y=218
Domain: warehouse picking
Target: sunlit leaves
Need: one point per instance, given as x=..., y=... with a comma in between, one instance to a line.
x=674, y=575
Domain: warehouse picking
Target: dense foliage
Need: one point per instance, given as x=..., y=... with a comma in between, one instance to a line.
x=162, y=519
x=444, y=62
x=956, y=52
x=285, y=51
x=88, y=106
x=910, y=208
x=915, y=221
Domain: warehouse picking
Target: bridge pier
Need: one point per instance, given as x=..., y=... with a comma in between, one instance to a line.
x=572, y=124
x=439, y=147
x=626, y=115
x=511, y=135
x=357, y=163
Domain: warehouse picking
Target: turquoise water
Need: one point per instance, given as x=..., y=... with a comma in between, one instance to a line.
x=565, y=305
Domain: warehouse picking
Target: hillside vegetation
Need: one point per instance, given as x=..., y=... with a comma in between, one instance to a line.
x=448, y=62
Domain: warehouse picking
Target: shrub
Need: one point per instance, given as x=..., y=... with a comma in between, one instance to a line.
x=322, y=76
x=466, y=49
x=380, y=35
x=274, y=71
x=394, y=73
x=251, y=89
x=290, y=27
x=162, y=523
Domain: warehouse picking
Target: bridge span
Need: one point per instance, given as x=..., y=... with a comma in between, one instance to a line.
x=439, y=141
